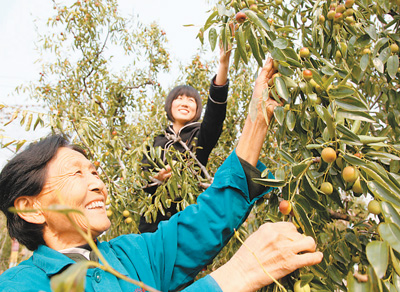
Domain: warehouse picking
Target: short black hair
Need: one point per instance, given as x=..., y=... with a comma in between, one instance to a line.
x=25, y=175
x=183, y=90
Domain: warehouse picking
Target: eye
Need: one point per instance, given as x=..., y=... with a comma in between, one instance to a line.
x=95, y=173
x=191, y=99
x=77, y=172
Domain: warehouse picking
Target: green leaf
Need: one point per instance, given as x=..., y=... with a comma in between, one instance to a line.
x=279, y=114
x=286, y=156
x=280, y=43
x=290, y=120
x=209, y=20
x=254, y=18
x=291, y=53
x=281, y=88
x=303, y=220
x=72, y=279
x=299, y=168
x=311, y=194
x=254, y=47
x=346, y=132
x=395, y=263
x=371, y=139
x=378, y=65
x=382, y=192
x=378, y=256
x=384, y=155
x=371, y=31
x=391, y=234
x=353, y=160
x=241, y=43
x=384, y=55
x=341, y=91
x=390, y=213
x=353, y=115
x=292, y=62
x=364, y=62
x=212, y=38
x=327, y=70
x=270, y=182
x=396, y=281
x=352, y=104
x=278, y=55
x=329, y=122
x=393, y=65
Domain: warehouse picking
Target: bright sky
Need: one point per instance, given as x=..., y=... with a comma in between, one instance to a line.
x=17, y=46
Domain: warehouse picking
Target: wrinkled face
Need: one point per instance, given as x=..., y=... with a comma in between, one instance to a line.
x=73, y=181
x=183, y=109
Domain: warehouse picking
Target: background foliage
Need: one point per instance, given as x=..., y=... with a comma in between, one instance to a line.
x=350, y=102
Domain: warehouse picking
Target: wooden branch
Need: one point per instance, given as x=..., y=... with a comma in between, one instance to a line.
x=202, y=167
x=337, y=215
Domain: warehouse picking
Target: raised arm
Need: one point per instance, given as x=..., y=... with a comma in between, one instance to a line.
x=222, y=73
x=256, y=127
x=279, y=247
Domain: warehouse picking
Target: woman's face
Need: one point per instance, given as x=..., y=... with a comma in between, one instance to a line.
x=183, y=109
x=72, y=180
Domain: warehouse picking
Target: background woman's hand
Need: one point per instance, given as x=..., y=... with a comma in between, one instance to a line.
x=164, y=173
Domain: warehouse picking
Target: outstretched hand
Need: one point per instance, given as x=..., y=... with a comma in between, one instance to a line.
x=257, y=102
x=256, y=125
x=279, y=247
x=222, y=72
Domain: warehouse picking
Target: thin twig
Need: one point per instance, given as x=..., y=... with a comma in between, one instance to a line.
x=179, y=140
x=259, y=262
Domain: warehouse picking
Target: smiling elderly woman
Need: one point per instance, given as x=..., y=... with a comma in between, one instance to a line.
x=54, y=172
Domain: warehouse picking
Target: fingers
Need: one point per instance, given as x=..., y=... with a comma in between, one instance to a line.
x=309, y=259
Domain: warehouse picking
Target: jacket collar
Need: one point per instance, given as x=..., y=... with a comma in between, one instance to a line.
x=185, y=128
x=50, y=260
x=53, y=262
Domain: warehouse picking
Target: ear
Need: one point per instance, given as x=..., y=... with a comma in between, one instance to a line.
x=34, y=214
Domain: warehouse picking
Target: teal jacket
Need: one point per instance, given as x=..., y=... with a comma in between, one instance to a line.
x=164, y=260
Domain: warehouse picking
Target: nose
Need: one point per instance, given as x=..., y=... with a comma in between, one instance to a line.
x=96, y=184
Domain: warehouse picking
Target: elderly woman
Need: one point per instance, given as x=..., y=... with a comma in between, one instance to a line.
x=54, y=172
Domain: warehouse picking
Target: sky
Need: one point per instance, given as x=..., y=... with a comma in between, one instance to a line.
x=18, y=19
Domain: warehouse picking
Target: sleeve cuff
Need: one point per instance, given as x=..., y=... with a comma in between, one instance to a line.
x=219, y=93
x=251, y=172
x=204, y=284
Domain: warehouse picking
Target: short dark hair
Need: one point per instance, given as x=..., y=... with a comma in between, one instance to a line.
x=25, y=175
x=183, y=90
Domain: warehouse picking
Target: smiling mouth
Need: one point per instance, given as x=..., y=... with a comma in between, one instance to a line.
x=95, y=205
x=185, y=111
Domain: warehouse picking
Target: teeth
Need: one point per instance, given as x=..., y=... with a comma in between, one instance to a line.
x=95, y=204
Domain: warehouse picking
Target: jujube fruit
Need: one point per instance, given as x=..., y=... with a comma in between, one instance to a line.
x=326, y=188
x=374, y=207
x=304, y=52
x=285, y=207
x=394, y=48
x=307, y=75
x=240, y=17
x=298, y=288
x=349, y=174
x=357, y=188
x=328, y=155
